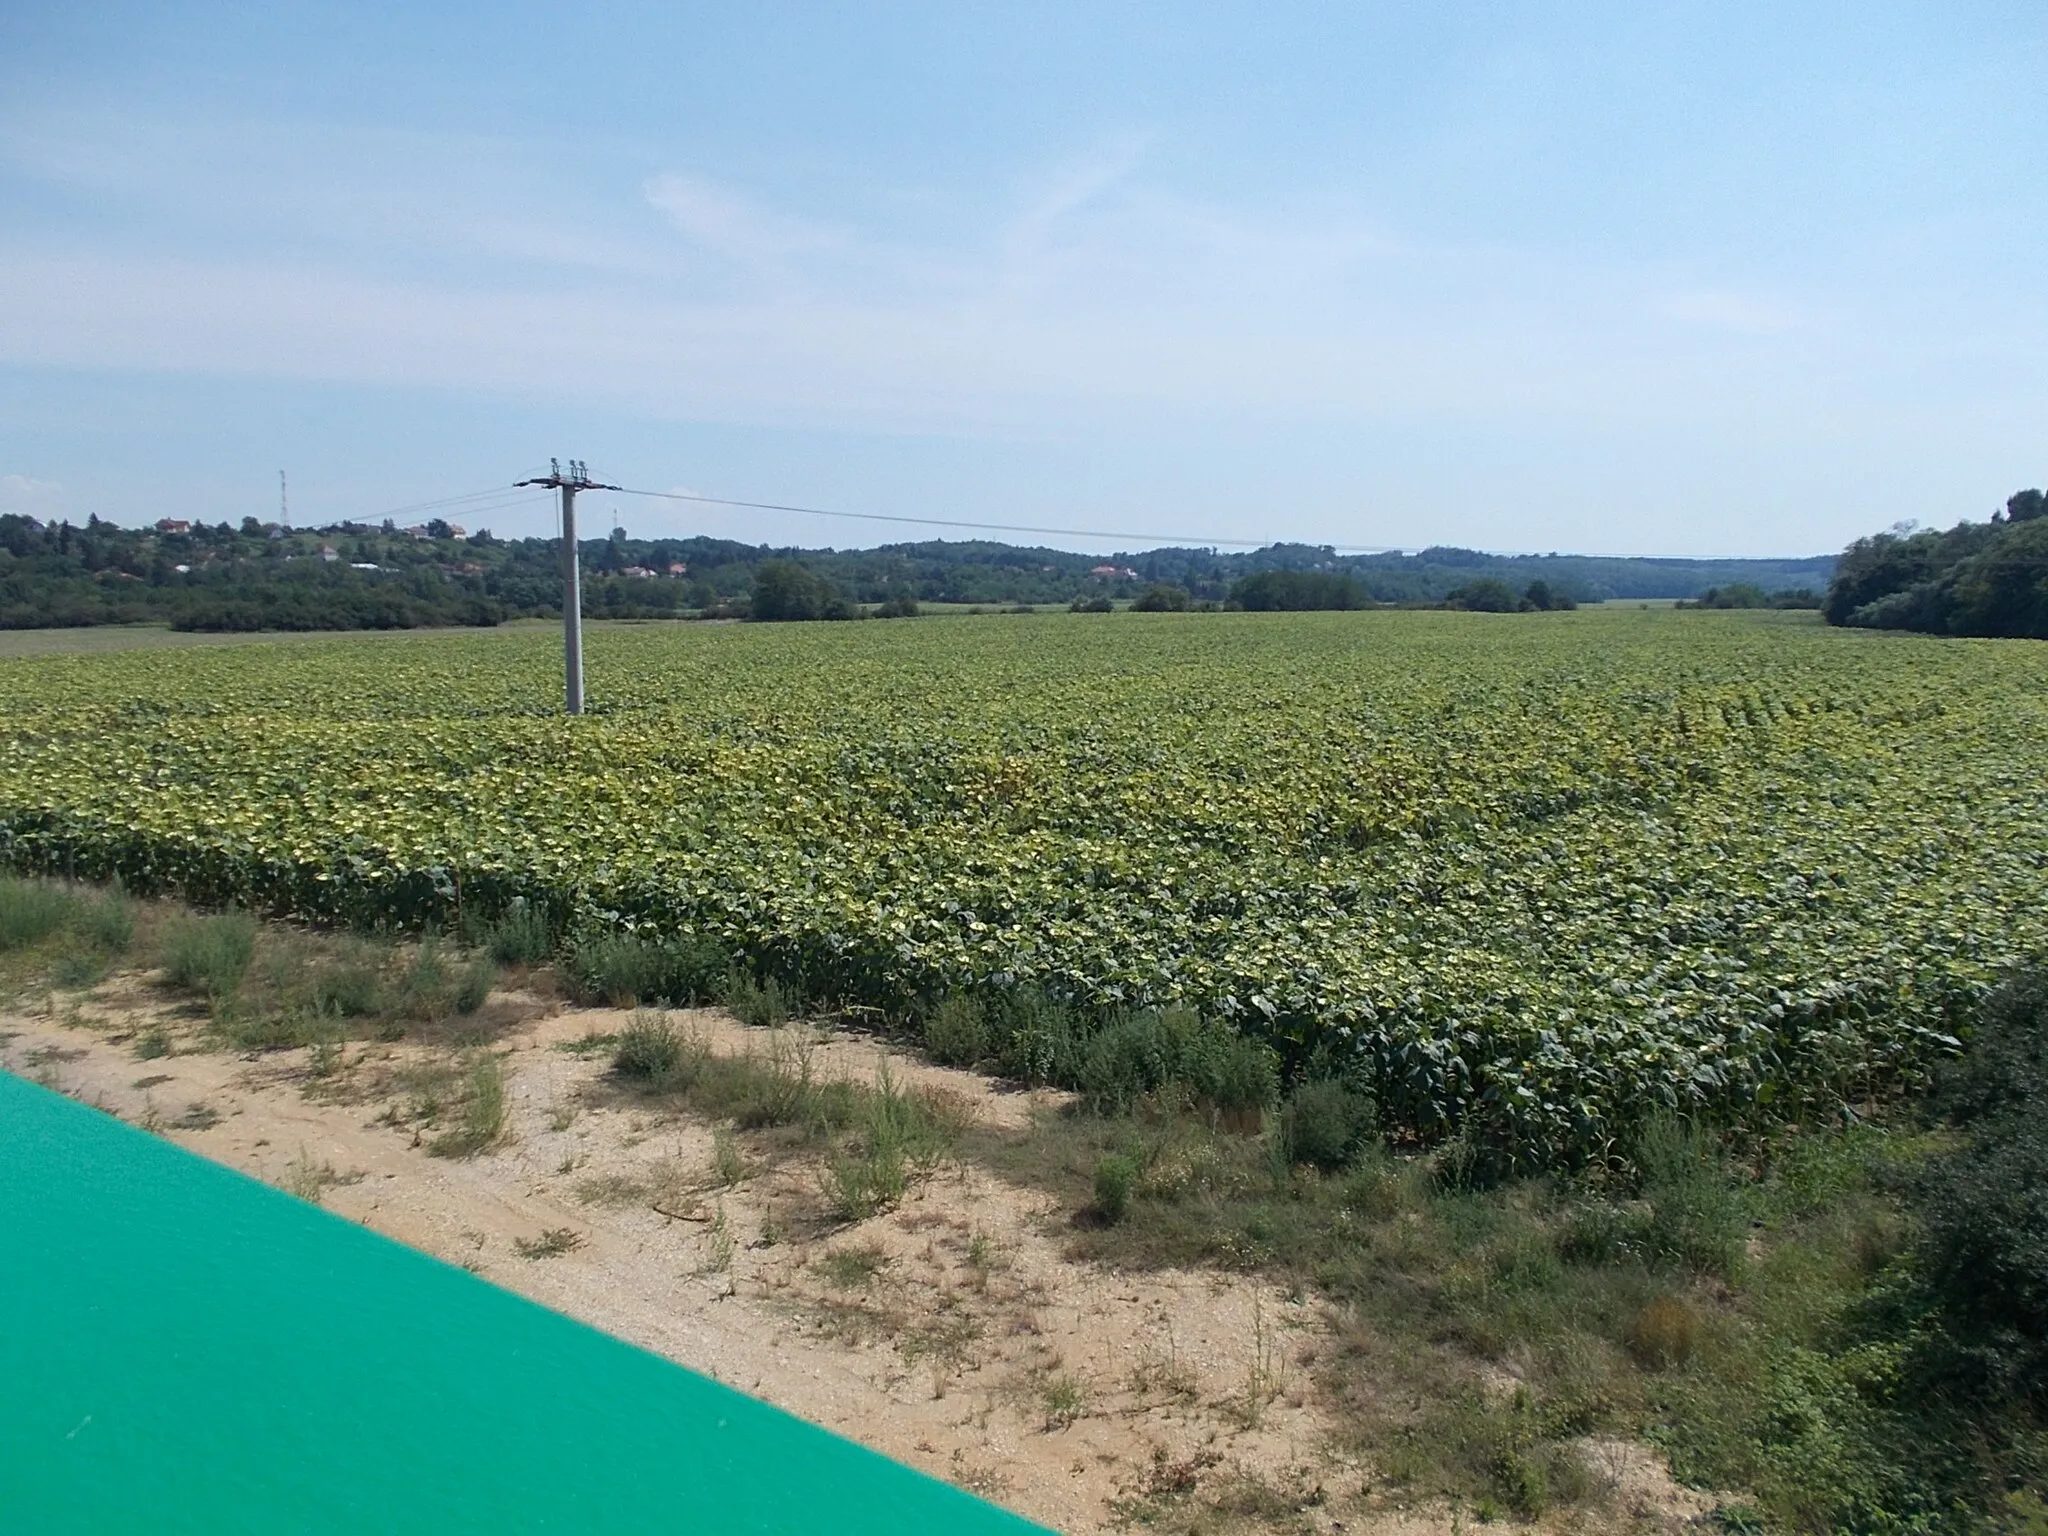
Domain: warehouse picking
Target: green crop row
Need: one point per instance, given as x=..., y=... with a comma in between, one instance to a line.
x=1534, y=874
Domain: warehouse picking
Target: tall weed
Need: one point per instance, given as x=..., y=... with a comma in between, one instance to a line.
x=625, y=969
x=1696, y=1214
x=522, y=936
x=482, y=1111
x=210, y=954
x=30, y=911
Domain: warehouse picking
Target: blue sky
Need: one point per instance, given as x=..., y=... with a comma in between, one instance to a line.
x=1703, y=278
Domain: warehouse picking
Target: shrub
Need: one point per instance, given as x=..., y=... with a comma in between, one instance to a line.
x=956, y=1032
x=1175, y=1047
x=1487, y=594
x=1116, y=1176
x=1601, y=1232
x=30, y=911
x=625, y=969
x=475, y=986
x=427, y=991
x=210, y=954
x=899, y=1130
x=106, y=921
x=785, y=590
x=759, y=1004
x=1091, y=605
x=653, y=1050
x=79, y=965
x=1033, y=1037
x=1696, y=1217
x=522, y=936
x=1324, y=1123
x=864, y=1181
x=1662, y=1333
x=352, y=991
x=1985, y=1204
x=2005, y=1070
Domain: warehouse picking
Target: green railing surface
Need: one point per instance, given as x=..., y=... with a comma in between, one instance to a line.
x=183, y=1349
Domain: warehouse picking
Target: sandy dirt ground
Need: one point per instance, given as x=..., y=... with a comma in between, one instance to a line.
x=949, y=1333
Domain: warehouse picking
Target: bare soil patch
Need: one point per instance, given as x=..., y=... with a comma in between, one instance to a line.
x=952, y=1331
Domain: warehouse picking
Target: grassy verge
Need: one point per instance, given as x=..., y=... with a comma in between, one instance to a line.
x=62, y=934
x=261, y=986
x=875, y=1137
x=1767, y=1319
x=1838, y=1327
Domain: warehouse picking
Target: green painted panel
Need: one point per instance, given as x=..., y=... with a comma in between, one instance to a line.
x=183, y=1349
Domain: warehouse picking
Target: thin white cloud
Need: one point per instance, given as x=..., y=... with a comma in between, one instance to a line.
x=714, y=217
x=1070, y=188
x=1097, y=300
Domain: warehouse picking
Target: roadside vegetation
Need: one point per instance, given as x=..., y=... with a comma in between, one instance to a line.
x=246, y=985
x=1834, y=1325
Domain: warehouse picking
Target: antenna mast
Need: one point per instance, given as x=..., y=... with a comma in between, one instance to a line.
x=576, y=478
x=284, y=509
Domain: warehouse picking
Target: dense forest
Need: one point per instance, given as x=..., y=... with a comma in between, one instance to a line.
x=1986, y=578
x=356, y=576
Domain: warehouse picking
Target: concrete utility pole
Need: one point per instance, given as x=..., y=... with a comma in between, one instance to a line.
x=576, y=479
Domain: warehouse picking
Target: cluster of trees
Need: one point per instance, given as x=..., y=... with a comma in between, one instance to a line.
x=1745, y=594
x=1489, y=594
x=1298, y=591
x=785, y=590
x=1291, y=591
x=1430, y=575
x=1986, y=578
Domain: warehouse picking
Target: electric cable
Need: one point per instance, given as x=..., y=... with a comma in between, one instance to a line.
x=1155, y=540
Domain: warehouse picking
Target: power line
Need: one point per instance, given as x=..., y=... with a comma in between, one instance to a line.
x=1099, y=534
x=456, y=501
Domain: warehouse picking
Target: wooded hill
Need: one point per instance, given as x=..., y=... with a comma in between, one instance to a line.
x=355, y=576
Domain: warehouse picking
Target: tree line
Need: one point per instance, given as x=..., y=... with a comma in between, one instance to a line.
x=357, y=576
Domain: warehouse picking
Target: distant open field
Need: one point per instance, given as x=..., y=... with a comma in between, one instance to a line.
x=106, y=637
x=94, y=638
x=1537, y=872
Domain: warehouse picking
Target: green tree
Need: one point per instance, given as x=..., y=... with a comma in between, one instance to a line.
x=786, y=591
x=1489, y=594
x=1162, y=597
x=1297, y=591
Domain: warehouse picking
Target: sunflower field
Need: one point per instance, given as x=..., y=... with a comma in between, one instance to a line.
x=1535, y=872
